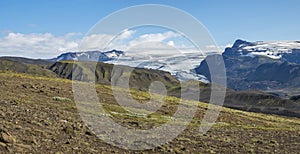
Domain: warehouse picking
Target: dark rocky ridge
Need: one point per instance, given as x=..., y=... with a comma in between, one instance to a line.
x=257, y=72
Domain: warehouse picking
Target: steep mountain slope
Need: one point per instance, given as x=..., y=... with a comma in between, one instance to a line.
x=139, y=78
x=28, y=66
x=260, y=65
x=38, y=115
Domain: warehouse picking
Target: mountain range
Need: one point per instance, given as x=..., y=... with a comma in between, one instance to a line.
x=273, y=67
x=141, y=78
x=261, y=76
x=175, y=64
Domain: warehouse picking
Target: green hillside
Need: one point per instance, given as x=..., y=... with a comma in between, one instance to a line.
x=38, y=115
x=140, y=79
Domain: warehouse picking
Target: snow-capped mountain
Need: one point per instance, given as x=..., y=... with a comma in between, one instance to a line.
x=180, y=66
x=283, y=50
x=90, y=56
x=259, y=65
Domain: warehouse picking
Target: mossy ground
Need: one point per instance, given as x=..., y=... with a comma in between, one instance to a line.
x=41, y=115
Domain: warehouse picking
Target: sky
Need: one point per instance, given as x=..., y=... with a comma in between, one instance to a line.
x=42, y=29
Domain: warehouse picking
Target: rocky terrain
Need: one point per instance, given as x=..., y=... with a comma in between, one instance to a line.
x=38, y=115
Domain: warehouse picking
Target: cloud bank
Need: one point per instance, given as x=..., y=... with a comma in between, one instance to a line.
x=47, y=45
x=36, y=45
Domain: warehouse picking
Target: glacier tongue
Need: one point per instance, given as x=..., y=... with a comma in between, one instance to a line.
x=180, y=66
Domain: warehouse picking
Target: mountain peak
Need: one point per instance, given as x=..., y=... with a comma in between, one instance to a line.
x=90, y=56
x=242, y=43
x=271, y=49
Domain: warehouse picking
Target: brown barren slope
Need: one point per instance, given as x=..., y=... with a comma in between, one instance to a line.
x=38, y=115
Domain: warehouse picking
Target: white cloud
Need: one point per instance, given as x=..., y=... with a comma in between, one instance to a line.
x=125, y=34
x=47, y=45
x=106, y=41
x=171, y=43
x=158, y=37
x=36, y=45
x=95, y=42
x=152, y=48
x=146, y=44
x=124, y=41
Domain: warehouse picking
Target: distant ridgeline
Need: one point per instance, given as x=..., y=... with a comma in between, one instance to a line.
x=269, y=66
x=141, y=79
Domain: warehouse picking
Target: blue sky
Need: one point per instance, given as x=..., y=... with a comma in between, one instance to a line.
x=226, y=20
